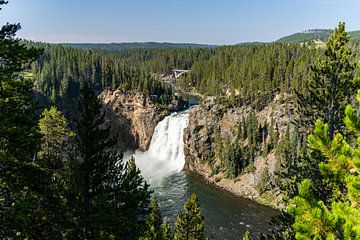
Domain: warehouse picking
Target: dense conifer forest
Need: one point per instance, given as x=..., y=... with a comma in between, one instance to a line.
x=61, y=71
x=261, y=69
x=137, y=45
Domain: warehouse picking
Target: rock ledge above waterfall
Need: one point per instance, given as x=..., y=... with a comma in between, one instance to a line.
x=132, y=116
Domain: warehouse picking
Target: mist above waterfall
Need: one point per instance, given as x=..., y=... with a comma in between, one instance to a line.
x=165, y=155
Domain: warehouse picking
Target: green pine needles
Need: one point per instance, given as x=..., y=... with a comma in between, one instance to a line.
x=313, y=219
x=190, y=223
x=156, y=228
x=332, y=85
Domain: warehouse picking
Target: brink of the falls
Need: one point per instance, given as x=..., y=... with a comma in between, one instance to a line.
x=165, y=155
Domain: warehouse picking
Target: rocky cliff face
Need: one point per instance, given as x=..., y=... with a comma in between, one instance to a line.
x=209, y=119
x=132, y=116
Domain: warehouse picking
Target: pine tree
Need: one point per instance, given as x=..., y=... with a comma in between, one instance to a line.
x=134, y=194
x=154, y=221
x=329, y=92
x=340, y=220
x=18, y=117
x=336, y=74
x=166, y=231
x=52, y=158
x=92, y=144
x=190, y=223
x=112, y=199
x=232, y=159
x=325, y=98
x=55, y=131
x=21, y=181
x=155, y=228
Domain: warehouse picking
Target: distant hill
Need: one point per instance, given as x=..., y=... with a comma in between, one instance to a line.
x=135, y=45
x=315, y=34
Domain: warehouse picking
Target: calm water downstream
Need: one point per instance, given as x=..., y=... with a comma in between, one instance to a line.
x=226, y=216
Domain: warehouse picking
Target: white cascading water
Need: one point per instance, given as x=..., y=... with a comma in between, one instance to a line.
x=165, y=155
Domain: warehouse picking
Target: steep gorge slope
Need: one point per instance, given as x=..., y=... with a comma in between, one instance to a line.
x=132, y=116
x=213, y=127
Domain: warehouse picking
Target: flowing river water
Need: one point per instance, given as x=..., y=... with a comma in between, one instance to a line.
x=226, y=216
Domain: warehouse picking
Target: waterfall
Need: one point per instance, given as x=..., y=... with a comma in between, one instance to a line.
x=165, y=155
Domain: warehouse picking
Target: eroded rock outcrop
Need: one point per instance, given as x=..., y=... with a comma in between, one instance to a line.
x=132, y=116
x=210, y=119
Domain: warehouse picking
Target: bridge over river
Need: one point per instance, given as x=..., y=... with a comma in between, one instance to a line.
x=179, y=72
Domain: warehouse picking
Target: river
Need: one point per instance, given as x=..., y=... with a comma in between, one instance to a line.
x=226, y=216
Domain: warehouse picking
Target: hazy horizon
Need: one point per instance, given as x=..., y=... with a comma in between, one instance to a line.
x=211, y=22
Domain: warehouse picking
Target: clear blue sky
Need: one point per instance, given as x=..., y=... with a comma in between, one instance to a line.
x=197, y=21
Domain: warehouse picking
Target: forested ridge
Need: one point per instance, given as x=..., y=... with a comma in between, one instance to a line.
x=251, y=72
x=314, y=35
x=61, y=71
x=260, y=69
x=239, y=73
x=135, y=45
